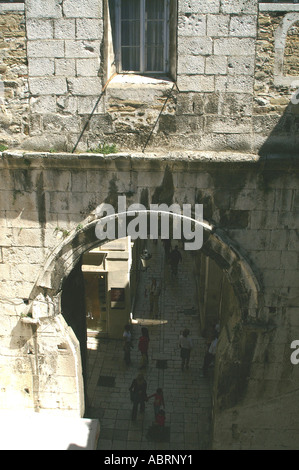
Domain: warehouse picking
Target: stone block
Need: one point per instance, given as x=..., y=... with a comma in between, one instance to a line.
x=218, y=25
x=249, y=199
x=46, y=48
x=87, y=103
x=5, y=271
x=234, y=46
x=27, y=237
x=186, y=124
x=65, y=67
x=88, y=67
x=79, y=181
x=185, y=104
x=236, y=104
x=192, y=65
x=57, y=179
x=82, y=9
x=239, y=6
x=85, y=86
x=64, y=29
x=234, y=84
x=283, y=199
x=290, y=278
x=273, y=277
x=227, y=125
x=241, y=65
x=270, y=259
x=43, y=104
x=216, y=65
x=82, y=49
x=199, y=6
x=263, y=219
x=243, y=26
x=191, y=46
x=41, y=67
x=67, y=104
x=196, y=83
x=47, y=86
x=90, y=29
x=278, y=240
x=191, y=24
x=42, y=9
x=39, y=29
x=23, y=272
x=289, y=219
x=60, y=124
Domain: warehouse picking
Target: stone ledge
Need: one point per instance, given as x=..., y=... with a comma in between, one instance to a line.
x=29, y=159
x=278, y=7
x=12, y=7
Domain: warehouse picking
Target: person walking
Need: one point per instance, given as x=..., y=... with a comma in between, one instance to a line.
x=138, y=395
x=127, y=345
x=175, y=258
x=143, y=345
x=154, y=294
x=185, y=345
x=167, y=248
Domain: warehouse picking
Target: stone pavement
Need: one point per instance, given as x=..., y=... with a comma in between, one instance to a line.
x=187, y=395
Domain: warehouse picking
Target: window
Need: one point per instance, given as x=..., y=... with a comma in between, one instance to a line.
x=141, y=36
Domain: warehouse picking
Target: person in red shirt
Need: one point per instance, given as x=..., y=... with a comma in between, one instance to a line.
x=160, y=419
x=158, y=401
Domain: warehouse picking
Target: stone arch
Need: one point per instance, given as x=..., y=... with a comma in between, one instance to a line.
x=281, y=34
x=291, y=51
x=216, y=245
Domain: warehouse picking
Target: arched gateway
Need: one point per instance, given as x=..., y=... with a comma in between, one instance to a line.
x=66, y=256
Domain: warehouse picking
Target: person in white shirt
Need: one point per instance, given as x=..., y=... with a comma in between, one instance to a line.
x=185, y=344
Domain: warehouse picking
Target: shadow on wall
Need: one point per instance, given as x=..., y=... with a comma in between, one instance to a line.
x=283, y=140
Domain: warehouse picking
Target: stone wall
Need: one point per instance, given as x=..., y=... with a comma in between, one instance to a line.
x=14, y=95
x=275, y=121
x=46, y=224
x=221, y=95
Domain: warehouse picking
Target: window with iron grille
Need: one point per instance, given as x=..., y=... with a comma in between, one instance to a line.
x=142, y=36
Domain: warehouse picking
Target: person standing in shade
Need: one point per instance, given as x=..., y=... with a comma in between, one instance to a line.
x=175, y=258
x=138, y=395
x=185, y=345
x=158, y=400
x=154, y=294
x=143, y=345
x=127, y=336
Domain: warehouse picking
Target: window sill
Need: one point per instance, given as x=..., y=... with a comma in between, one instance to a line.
x=279, y=7
x=12, y=7
x=125, y=80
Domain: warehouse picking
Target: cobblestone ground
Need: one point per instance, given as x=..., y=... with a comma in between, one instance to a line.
x=187, y=395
